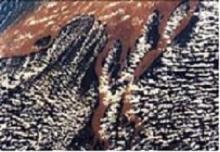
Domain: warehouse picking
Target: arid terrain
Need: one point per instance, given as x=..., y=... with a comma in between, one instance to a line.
x=127, y=74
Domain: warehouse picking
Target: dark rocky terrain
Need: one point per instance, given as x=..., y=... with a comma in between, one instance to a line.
x=163, y=95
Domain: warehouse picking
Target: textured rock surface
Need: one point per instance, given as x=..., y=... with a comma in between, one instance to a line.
x=53, y=100
x=174, y=104
x=43, y=104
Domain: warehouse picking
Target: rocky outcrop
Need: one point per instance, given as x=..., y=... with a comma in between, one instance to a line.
x=43, y=104
x=53, y=100
x=174, y=104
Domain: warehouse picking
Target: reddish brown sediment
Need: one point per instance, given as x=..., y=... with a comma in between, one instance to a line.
x=97, y=115
x=124, y=20
x=121, y=18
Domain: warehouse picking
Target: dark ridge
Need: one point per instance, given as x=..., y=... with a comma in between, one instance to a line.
x=115, y=66
x=90, y=53
x=184, y=36
x=89, y=78
x=67, y=56
x=78, y=23
x=84, y=23
x=153, y=36
x=83, y=139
